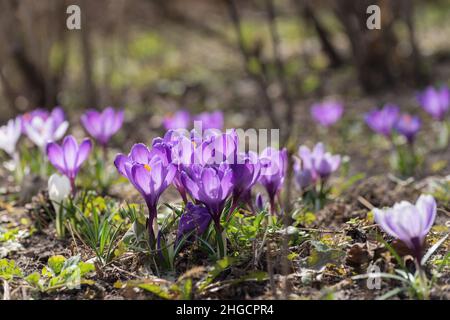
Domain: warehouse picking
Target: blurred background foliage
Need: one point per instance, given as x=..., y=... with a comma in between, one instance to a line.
x=263, y=60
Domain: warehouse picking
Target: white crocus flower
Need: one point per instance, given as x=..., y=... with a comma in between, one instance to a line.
x=58, y=189
x=41, y=131
x=9, y=135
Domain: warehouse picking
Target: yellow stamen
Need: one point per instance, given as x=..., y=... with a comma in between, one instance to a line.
x=146, y=166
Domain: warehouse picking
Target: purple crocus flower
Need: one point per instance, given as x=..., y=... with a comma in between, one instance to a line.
x=210, y=120
x=219, y=148
x=327, y=113
x=150, y=173
x=319, y=163
x=68, y=157
x=408, y=126
x=409, y=223
x=179, y=120
x=435, y=102
x=383, y=121
x=273, y=170
x=210, y=185
x=194, y=218
x=42, y=127
x=102, y=125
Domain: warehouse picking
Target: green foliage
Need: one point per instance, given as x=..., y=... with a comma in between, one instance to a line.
x=244, y=230
x=321, y=255
x=97, y=225
x=61, y=273
x=9, y=270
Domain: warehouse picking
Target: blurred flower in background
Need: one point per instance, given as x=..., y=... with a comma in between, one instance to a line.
x=179, y=120
x=210, y=120
x=42, y=127
x=435, y=102
x=10, y=134
x=102, y=125
x=408, y=126
x=383, y=120
x=327, y=113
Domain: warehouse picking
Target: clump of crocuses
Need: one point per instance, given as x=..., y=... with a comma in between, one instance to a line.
x=68, y=157
x=312, y=169
x=394, y=125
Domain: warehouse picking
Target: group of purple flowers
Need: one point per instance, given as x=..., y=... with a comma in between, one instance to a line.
x=44, y=128
x=388, y=120
x=207, y=169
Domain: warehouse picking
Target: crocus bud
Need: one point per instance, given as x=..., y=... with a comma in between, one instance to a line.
x=58, y=189
x=259, y=203
x=303, y=178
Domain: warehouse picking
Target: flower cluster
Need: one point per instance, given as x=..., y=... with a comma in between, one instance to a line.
x=206, y=168
x=44, y=128
x=388, y=120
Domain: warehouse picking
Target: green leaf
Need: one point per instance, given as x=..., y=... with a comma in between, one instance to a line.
x=8, y=269
x=156, y=290
x=432, y=250
x=56, y=263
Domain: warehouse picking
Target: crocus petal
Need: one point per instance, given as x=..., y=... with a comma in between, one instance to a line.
x=140, y=177
x=56, y=157
x=70, y=149
x=60, y=131
x=83, y=151
x=120, y=162
x=140, y=153
x=427, y=210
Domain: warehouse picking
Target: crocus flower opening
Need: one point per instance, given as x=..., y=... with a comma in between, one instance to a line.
x=408, y=222
x=408, y=126
x=273, y=170
x=327, y=113
x=42, y=127
x=435, y=102
x=102, y=125
x=150, y=173
x=179, y=120
x=10, y=134
x=196, y=218
x=68, y=157
x=383, y=121
x=317, y=163
x=211, y=186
